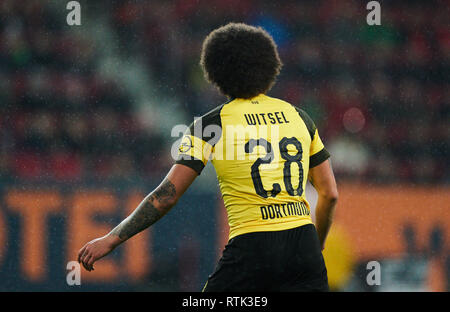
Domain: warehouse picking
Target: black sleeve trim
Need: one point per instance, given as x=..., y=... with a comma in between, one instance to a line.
x=318, y=158
x=193, y=163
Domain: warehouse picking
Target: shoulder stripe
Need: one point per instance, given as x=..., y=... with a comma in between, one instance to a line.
x=307, y=120
x=208, y=119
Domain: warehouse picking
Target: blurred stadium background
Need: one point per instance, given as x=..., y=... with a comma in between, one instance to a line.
x=86, y=114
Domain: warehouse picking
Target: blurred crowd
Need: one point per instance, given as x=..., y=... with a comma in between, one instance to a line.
x=60, y=118
x=379, y=95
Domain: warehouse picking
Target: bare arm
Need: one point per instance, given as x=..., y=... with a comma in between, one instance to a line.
x=322, y=178
x=154, y=206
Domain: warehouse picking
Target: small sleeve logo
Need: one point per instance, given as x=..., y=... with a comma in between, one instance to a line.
x=186, y=144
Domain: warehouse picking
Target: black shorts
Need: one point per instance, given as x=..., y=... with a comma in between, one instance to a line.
x=288, y=260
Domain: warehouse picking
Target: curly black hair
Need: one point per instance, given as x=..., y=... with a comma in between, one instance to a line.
x=242, y=61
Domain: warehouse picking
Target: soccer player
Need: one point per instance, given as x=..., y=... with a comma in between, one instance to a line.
x=264, y=150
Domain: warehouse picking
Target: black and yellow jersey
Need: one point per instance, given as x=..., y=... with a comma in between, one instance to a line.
x=262, y=149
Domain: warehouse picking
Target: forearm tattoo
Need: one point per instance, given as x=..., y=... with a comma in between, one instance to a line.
x=146, y=213
x=165, y=193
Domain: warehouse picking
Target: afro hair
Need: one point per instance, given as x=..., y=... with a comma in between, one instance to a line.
x=242, y=61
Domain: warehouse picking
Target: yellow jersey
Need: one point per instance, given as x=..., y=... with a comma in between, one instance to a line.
x=262, y=149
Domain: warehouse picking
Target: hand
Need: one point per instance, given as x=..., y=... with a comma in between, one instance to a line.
x=95, y=250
